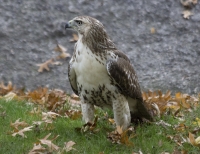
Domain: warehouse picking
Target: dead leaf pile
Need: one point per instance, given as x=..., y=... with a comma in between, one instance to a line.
x=160, y=104
x=121, y=137
x=53, y=100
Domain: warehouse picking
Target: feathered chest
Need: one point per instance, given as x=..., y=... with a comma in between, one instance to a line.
x=90, y=68
x=94, y=84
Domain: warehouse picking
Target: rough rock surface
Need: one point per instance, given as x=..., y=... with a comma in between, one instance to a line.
x=167, y=59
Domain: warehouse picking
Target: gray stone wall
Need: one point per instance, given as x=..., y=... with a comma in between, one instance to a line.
x=166, y=59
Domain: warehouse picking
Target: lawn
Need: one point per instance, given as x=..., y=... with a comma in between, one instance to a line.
x=171, y=135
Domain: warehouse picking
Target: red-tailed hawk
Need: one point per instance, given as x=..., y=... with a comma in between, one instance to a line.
x=102, y=75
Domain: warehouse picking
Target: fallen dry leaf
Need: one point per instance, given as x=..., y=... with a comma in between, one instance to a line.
x=121, y=137
x=163, y=124
x=188, y=3
x=18, y=123
x=49, y=142
x=75, y=38
x=60, y=48
x=89, y=127
x=38, y=96
x=75, y=97
x=69, y=146
x=112, y=121
x=21, y=132
x=51, y=115
x=63, y=52
x=153, y=30
x=73, y=114
x=178, y=139
x=187, y=14
x=10, y=96
x=193, y=141
x=38, y=149
x=56, y=100
x=36, y=111
x=45, y=65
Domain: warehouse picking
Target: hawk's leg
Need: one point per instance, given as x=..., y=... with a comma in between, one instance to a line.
x=88, y=112
x=121, y=112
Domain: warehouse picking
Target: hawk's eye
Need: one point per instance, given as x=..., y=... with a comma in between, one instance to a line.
x=79, y=22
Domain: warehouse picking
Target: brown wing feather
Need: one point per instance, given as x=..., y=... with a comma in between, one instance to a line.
x=124, y=75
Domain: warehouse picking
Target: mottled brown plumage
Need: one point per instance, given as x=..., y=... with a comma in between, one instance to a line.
x=102, y=75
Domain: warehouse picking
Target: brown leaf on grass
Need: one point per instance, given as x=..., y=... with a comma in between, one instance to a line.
x=38, y=96
x=56, y=100
x=18, y=123
x=51, y=115
x=182, y=100
x=49, y=143
x=10, y=96
x=38, y=149
x=178, y=139
x=47, y=118
x=74, y=100
x=5, y=89
x=21, y=132
x=193, y=141
x=89, y=127
x=53, y=100
x=159, y=103
x=45, y=65
x=75, y=97
x=121, y=137
x=187, y=14
x=156, y=101
x=180, y=127
x=36, y=110
x=73, y=114
x=69, y=146
x=163, y=124
x=112, y=121
x=75, y=38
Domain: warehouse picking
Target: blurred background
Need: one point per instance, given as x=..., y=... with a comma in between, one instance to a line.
x=161, y=38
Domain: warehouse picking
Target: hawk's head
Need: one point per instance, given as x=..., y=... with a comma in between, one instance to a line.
x=93, y=33
x=82, y=24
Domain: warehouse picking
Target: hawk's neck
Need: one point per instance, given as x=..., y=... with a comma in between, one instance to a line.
x=98, y=41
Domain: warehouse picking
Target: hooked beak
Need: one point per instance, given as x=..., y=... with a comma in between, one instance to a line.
x=69, y=24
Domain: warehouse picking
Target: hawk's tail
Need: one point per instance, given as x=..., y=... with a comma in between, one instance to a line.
x=141, y=112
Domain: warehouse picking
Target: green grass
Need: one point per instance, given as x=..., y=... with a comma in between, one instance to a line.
x=149, y=138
